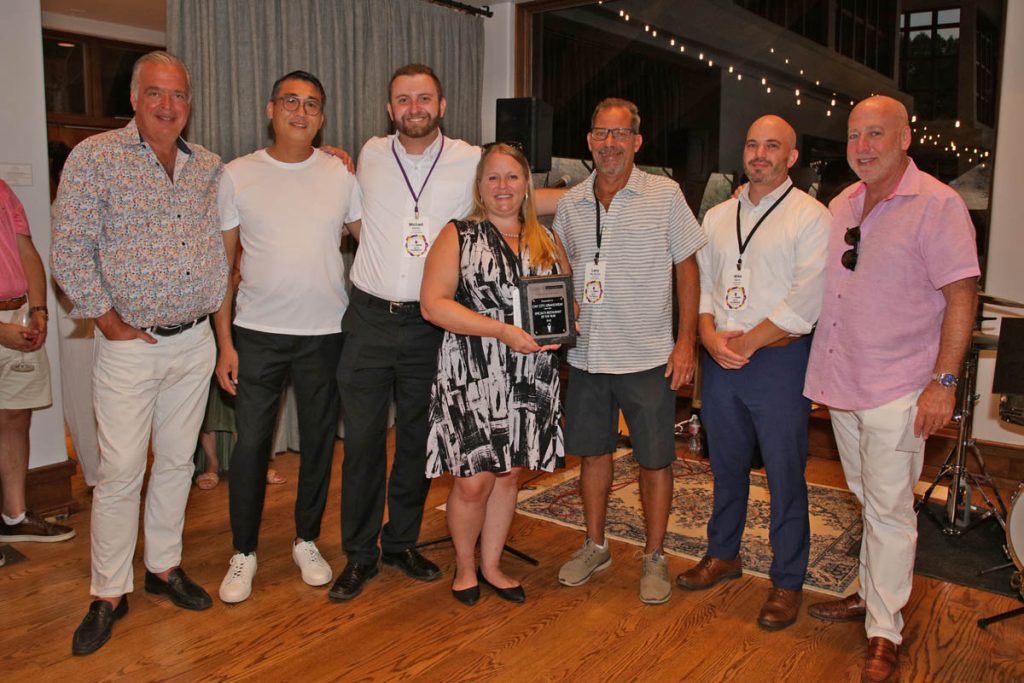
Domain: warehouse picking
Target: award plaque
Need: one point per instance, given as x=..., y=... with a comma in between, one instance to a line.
x=547, y=308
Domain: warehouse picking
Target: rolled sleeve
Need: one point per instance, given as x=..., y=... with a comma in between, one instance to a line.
x=799, y=311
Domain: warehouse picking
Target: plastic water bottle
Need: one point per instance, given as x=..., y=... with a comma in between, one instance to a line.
x=694, y=441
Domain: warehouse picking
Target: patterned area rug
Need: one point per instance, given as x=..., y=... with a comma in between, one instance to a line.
x=835, y=520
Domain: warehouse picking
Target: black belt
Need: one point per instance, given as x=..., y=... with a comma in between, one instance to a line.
x=392, y=307
x=171, y=330
x=13, y=304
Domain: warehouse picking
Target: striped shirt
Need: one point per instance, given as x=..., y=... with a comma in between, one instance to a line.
x=646, y=230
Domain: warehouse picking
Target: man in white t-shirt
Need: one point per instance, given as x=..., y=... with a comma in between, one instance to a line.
x=287, y=205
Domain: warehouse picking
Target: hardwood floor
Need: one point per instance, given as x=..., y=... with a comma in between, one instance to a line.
x=400, y=629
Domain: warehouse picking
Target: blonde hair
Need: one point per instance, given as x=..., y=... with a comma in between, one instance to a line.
x=538, y=242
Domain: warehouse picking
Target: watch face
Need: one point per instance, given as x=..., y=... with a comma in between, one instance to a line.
x=946, y=380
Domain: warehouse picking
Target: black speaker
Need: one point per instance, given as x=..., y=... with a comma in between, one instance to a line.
x=1008, y=377
x=528, y=121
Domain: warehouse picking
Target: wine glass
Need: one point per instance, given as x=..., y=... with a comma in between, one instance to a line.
x=23, y=318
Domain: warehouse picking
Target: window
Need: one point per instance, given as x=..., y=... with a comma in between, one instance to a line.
x=864, y=33
x=931, y=51
x=986, y=60
x=808, y=18
x=86, y=79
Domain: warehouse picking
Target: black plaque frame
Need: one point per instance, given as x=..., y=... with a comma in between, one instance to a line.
x=535, y=297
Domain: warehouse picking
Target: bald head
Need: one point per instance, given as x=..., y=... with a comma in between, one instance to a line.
x=878, y=137
x=768, y=154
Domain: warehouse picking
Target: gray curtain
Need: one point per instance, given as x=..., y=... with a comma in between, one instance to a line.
x=236, y=49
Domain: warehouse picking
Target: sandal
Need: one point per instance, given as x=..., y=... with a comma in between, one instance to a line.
x=274, y=478
x=207, y=481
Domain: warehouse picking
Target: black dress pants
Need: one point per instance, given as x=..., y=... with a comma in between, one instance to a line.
x=389, y=353
x=265, y=360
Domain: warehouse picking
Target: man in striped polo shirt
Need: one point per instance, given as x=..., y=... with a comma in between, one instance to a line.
x=625, y=232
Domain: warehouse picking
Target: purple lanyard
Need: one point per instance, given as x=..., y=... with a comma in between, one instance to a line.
x=415, y=196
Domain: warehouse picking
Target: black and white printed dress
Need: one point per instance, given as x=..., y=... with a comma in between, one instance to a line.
x=492, y=408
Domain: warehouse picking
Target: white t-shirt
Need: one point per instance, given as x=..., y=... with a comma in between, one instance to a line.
x=382, y=266
x=290, y=219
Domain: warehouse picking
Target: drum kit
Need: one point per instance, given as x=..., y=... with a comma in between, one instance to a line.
x=960, y=513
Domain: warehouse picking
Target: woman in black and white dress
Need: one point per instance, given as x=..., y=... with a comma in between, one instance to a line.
x=495, y=402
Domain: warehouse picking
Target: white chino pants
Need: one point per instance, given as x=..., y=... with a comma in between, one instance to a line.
x=140, y=390
x=883, y=480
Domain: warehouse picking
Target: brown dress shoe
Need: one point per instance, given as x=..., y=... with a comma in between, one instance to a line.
x=780, y=610
x=850, y=608
x=881, y=661
x=708, y=572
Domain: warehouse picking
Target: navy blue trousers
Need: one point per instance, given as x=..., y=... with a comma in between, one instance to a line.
x=760, y=404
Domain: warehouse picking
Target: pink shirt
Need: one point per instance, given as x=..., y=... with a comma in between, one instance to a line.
x=878, y=333
x=12, y=222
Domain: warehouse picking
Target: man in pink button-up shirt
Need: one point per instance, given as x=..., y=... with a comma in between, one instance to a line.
x=896, y=320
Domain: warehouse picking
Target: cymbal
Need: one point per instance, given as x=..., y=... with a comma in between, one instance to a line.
x=984, y=342
x=997, y=301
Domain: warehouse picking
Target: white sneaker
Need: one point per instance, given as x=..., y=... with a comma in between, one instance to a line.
x=315, y=570
x=237, y=583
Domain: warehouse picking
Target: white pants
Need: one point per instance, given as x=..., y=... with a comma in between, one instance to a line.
x=142, y=389
x=883, y=480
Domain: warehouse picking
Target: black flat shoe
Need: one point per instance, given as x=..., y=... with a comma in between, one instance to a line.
x=467, y=596
x=96, y=627
x=514, y=594
x=182, y=591
x=350, y=583
x=413, y=564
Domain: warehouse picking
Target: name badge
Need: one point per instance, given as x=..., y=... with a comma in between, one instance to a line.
x=593, y=283
x=737, y=289
x=415, y=241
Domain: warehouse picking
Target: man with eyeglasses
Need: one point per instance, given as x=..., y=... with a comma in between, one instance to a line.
x=900, y=297
x=286, y=206
x=626, y=233
x=136, y=247
x=762, y=276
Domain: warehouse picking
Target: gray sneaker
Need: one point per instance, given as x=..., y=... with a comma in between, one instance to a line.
x=655, y=587
x=585, y=562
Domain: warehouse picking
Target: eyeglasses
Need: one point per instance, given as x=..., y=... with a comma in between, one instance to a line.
x=852, y=237
x=619, y=134
x=292, y=102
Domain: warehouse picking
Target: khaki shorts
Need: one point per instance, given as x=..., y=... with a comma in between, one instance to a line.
x=19, y=390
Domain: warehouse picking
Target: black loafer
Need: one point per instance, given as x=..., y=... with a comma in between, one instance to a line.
x=183, y=591
x=513, y=594
x=95, y=629
x=413, y=564
x=467, y=596
x=350, y=583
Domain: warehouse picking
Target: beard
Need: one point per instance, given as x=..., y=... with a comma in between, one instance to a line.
x=418, y=129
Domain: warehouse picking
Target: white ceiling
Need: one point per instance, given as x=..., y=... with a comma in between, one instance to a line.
x=146, y=14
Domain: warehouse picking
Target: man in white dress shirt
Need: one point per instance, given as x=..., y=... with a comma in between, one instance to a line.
x=761, y=287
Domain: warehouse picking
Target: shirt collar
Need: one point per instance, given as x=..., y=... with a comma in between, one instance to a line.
x=909, y=185
x=768, y=199
x=633, y=186
x=428, y=154
x=131, y=136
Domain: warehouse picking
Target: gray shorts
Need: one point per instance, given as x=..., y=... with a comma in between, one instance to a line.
x=647, y=402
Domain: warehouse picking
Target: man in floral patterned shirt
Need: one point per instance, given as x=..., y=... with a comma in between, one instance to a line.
x=137, y=247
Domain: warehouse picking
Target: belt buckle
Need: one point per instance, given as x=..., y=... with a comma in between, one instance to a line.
x=394, y=307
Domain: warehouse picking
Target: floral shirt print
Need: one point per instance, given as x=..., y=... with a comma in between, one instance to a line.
x=125, y=236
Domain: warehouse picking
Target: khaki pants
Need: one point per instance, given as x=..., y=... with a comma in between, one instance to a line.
x=142, y=390
x=883, y=480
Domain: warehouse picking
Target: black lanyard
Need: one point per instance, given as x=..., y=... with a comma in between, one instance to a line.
x=416, y=197
x=739, y=234
x=597, y=219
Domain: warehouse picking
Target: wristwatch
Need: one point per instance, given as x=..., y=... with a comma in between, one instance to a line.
x=946, y=379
